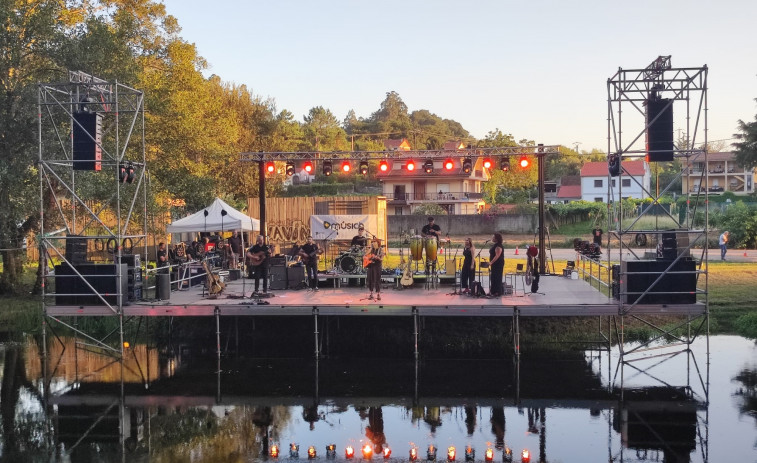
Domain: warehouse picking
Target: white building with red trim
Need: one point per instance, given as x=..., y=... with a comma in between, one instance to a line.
x=634, y=182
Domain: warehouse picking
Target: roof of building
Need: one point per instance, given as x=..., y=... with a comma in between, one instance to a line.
x=454, y=145
x=397, y=144
x=569, y=191
x=570, y=180
x=599, y=169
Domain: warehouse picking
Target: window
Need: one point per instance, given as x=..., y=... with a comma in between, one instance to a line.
x=398, y=210
x=597, y=183
x=598, y=200
x=613, y=183
x=626, y=182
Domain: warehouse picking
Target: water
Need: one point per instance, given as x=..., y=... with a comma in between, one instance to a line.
x=562, y=407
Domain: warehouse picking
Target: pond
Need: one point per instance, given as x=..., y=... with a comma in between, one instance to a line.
x=665, y=404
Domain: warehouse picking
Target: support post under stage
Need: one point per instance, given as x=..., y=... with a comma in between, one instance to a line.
x=516, y=331
x=217, y=313
x=315, y=332
x=415, y=332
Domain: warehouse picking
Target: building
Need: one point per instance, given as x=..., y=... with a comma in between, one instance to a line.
x=569, y=189
x=456, y=191
x=397, y=144
x=723, y=174
x=633, y=184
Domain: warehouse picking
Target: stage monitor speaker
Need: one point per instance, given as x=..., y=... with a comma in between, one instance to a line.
x=278, y=277
x=277, y=261
x=87, y=137
x=295, y=277
x=76, y=249
x=659, y=132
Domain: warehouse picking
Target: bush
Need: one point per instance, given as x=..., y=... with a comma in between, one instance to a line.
x=746, y=325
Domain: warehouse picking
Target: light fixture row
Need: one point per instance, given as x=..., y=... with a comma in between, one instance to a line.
x=428, y=166
x=368, y=451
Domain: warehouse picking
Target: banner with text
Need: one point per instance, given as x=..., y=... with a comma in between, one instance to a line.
x=341, y=227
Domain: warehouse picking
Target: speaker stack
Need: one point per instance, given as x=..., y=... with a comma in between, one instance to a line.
x=659, y=132
x=134, y=276
x=278, y=273
x=87, y=137
x=70, y=289
x=684, y=283
x=76, y=249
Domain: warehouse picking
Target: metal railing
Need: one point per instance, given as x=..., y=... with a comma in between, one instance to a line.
x=441, y=196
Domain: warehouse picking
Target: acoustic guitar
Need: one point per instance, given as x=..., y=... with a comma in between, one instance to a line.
x=256, y=258
x=407, y=274
x=368, y=259
x=305, y=257
x=215, y=285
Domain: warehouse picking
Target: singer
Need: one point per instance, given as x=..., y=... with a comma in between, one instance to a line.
x=467, y=275
x=496, y=266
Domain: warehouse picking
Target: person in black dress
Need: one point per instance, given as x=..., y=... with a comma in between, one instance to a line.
x=374, y=268
x=496, y=266
x=468, y=272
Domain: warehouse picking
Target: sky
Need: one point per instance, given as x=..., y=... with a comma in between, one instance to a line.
x=535, y=69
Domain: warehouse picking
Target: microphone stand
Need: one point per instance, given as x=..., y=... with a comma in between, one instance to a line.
x=478, y=256
x=454, y=274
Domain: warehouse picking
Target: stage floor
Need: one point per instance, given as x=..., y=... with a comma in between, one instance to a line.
x=558, y=296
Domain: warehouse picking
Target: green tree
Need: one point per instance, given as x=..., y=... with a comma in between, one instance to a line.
x=323, y=132
x=746, y=147
x=502, y=185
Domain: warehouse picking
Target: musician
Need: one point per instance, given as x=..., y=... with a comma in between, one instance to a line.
x=235, y=243
x=432, y=229
x=496, y=266
x=375, y=258
x=468, y=273
x=360, y=239
x=258, y=269
x=162, y=257
x=309, y=253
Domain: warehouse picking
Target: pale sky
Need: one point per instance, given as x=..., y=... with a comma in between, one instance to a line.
x=535, y=69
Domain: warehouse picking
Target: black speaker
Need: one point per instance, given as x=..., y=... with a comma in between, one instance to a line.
x=70, y=289
x=87, y=137
x=163, y=287
x=659, y=132
x=670, y=282
x=278, y=277
x=613, y=165
x=295, y=276
x=76, y=249
x=277, y=261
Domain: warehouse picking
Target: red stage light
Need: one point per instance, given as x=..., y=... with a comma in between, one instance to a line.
x=449, y=164
x=367, y=451
x=346, y=167
x=270, y=168
x=387, y=452
x=308, y=167
x=451, y=453
x=489, y=455
x=274, y=452
x=525, y=456
x=524, y=162
x=488, y=163
x=383, y=166
x=349, y=452
x=410, y=166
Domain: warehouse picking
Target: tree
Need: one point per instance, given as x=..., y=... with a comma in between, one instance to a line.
x=323, y=131
x=746, y=148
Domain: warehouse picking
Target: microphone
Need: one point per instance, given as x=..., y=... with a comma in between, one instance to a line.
x=486, y=241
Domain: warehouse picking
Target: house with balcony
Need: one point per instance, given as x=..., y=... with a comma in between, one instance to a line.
x=454, y=189
x=721, y=173
x=397, y=144
x=633, y=182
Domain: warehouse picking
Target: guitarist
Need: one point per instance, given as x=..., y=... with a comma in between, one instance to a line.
x=309, y=253
x=372, y=261
x=258, y=256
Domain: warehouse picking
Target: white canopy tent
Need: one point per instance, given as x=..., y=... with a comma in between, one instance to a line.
x=219, y=216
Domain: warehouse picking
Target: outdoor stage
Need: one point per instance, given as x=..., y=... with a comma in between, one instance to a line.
x=558, y=296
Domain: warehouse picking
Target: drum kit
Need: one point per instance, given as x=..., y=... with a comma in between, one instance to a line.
x=350, y=261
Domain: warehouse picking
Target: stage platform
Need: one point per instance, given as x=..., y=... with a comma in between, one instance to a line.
x=558, y=296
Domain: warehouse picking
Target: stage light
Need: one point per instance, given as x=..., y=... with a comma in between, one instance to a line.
x=311, y=453
x=346, y=166
x=525, y=456
x=451, y=453
x=413, y=454
x=489, y=455
x=467, y=165
x=274, y=451
x=504, y=163
x=387, y=453
x=349, y=452
x=449, y=164
x=383, y=166
x=410, y=166
x=289, y=169
x=367, y=451
x=488, y=164
x=470, y=454
x=126, y=344
x=431, y=453
x=524, y=162
x=270, y=168
x=327, y=168
x=331, y=451
x=428, y=166
x=507, y=455
x=308, y=167
x=130, y=173
x=294, y=450
x=364, y=167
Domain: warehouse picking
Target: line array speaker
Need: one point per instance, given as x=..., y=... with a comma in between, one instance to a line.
x=659, y=132
x=87, y=137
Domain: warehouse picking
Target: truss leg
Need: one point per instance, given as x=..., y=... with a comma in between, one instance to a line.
x=415, y=334
x=516, y=332
x=217, y=313
x=315, y=332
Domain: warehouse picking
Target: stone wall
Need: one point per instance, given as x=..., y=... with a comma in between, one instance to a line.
x=464, y=225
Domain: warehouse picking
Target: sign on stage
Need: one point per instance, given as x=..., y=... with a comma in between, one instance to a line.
x=341, y=227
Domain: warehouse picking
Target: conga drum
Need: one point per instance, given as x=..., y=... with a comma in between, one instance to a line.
x=416, y=247
x=430, y=245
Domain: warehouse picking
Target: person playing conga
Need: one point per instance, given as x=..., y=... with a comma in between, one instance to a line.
x=374, y=259
x=432, y=230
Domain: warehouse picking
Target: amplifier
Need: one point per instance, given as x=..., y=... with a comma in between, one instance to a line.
x=277, y=261
x=278, y=277
x=295, y=276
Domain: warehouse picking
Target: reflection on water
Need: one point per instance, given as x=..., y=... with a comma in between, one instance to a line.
x=566, y=406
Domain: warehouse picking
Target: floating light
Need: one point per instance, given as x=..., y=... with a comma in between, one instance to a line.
x=367, y=451
x=274, y=451
x=387, y=453
x=349, y=452
x=489, y=454
x=413, y=454
x=525, y=456
x=451, y=453
x=311, y=453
